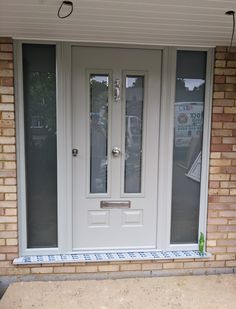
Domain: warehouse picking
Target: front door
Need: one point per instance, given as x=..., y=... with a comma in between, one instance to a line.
x=116, y=105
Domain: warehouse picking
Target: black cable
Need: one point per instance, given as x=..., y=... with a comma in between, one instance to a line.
x=232, y=37
x=68, y=3
x=233, y=30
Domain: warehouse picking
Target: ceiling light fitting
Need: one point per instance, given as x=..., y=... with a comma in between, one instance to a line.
x=66, y=4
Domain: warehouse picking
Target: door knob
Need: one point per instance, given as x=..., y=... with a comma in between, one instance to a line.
x=116, y=151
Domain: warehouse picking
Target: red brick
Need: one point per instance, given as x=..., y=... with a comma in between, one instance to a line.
x=216, y=125
x=6, y=40
x=219, y=71
x=229, y=140
x=230, y=95
x=228, y=184
x=219, y=79
x=217, y=109
x=222, y=199
x=231, y=79
x=229, y=155
x=220, y=56
x=230, y=170
x=220, y=162
x=225, y=257
x=230, y=87
x=218, y=94
x=222, y=117
x=214, y=184
x=222, y=132
x=231, y=56
x=231, y=64
x=217, y=221
x=228, y=214
x=6, y=81
x=216, y=140
x=230, y=110
x=221, y=49
x=6, y=64
x=223, y=102
x=220, y=63
x=221, y=206
x=229, y=125
x=8, y=249
x=229, y=228
x=221, y=148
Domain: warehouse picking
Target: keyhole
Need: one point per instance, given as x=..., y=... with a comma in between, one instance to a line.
x=75, y=152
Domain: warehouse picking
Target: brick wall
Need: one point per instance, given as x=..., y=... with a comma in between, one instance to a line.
x=222, y=186
x=8, y=204
x=221, y=229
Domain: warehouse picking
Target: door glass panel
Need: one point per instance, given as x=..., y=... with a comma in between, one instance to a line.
x=133, y=133
x=39, y=77
x=98, y=132
x=187, y=145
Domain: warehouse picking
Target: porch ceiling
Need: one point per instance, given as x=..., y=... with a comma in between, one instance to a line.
x=154, y=22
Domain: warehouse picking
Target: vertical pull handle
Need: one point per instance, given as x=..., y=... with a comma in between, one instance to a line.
x=117, y=90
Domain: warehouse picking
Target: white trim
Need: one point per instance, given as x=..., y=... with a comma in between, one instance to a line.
x=165, y=150
x=20, y=147
x=145, y=75
x=20, y=137
x=64, y=148
x=205, y=146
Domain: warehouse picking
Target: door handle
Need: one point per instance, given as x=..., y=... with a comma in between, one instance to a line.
x=117, y=91
x=116, y=151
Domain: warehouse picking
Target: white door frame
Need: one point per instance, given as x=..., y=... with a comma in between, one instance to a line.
x=64, y=145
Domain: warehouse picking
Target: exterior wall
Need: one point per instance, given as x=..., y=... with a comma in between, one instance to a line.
x=222, y=186
x=8, y=200
x=221, y=229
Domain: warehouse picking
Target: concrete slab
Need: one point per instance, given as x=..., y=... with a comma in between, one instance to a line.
x=215, y=291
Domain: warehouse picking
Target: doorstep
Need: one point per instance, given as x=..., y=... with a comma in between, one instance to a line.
x=110, y=257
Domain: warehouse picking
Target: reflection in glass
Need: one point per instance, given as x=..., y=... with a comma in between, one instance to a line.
x=98, y=132
x=133, y=133
x=188, y=132
x=39, y=74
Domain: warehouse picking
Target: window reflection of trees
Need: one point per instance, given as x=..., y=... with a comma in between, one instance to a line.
x=98, y=133
x=40, y=148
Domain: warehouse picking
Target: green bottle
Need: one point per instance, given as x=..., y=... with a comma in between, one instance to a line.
x=201, y=243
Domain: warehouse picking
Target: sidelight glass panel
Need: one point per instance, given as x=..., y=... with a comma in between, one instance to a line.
x=39, y=76
x=133, y=133
x=98, y=132
x=187, y=145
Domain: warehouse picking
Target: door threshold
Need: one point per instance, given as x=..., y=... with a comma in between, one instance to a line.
x=110, y=257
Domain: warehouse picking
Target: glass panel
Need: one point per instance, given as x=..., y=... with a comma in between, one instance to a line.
x=98, y=132
x=133, y=133
x=188, y=132
x=39, y=74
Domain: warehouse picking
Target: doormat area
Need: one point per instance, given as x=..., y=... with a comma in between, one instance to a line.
x=109, y=256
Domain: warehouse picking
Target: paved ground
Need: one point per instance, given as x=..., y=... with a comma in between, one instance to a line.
x=173, y=292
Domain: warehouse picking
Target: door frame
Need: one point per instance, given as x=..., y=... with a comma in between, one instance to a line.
x=64, y=142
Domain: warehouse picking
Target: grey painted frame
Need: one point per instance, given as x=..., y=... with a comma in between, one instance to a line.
x=64, y=146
